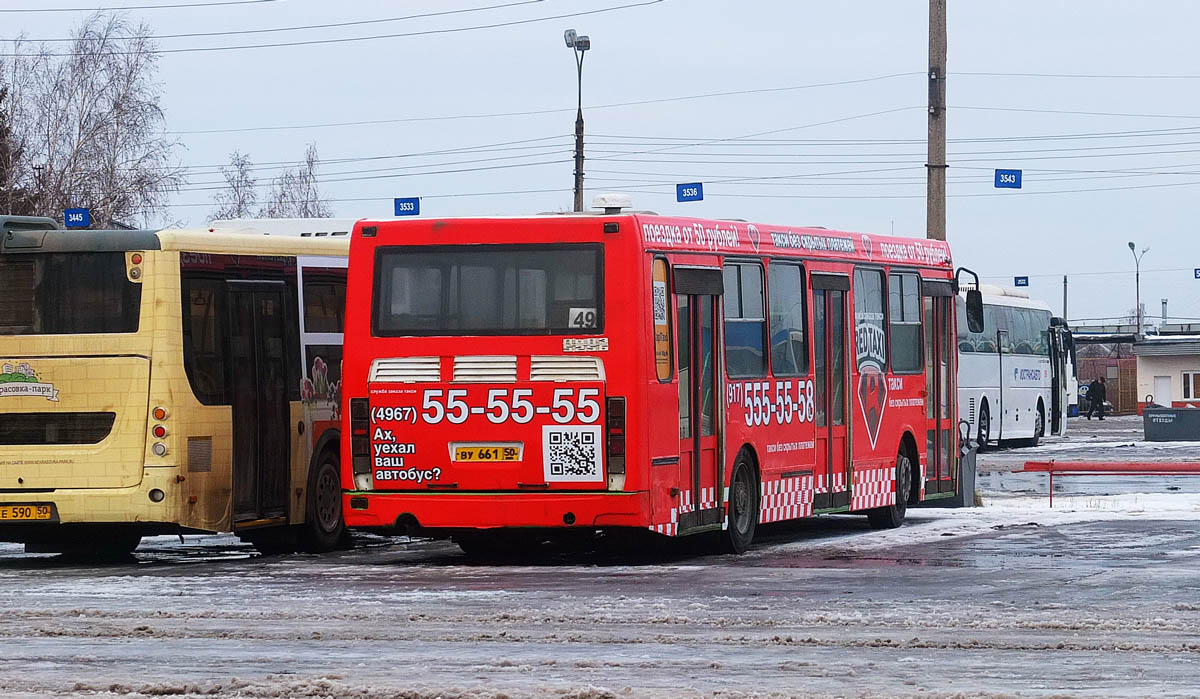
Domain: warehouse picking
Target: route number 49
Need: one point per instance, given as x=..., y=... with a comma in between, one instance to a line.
x=582, y=318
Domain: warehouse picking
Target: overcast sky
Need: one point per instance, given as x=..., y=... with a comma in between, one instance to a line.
x=848, y=156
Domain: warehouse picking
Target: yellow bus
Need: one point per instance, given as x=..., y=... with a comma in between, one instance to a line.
x=170, y=382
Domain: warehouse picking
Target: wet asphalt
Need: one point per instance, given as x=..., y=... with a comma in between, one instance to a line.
x=956, y=603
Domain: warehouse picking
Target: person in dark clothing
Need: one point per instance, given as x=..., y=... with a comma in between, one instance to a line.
x=1096, y=396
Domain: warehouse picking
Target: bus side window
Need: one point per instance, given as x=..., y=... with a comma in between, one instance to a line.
x=869, y=331
x=660, y=299
x=904, y=318
x=966, y=339
x=745, y=320
x=204, y=331
x=324, y=300
x=789, y=344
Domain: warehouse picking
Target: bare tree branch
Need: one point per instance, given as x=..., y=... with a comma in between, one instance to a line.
x=240, y=196
x=296, y=193
x=89, y=127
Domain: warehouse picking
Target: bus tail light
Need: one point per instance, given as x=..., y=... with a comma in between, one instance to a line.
x=360, y=442
x=615, y=422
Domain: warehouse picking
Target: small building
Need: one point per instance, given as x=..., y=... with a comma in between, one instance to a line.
x=1168, y=366
x=1107, y=351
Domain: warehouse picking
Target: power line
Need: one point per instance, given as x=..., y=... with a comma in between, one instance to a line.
x=1075, y=75
x=1059, y=275
x=537, y=112
x=1079, y=113
x=482, y=148
x=560, y=190
x=218, y=3
x=327, y=180
x=770, y=132
x=303, y=27
x=344, y=40
x=772, y=142
x=918, y=196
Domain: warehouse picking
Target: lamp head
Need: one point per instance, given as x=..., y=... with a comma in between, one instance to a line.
x=1132, y=246
x=583, y=43
x=570, y=36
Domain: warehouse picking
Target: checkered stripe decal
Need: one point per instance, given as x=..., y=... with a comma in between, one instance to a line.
x=922, y=467
x=873, y=488
x=687, y=503
x=839, y=482
x=786, y=498
x=668, y=528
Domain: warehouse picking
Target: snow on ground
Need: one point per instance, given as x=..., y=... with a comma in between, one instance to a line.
x=1098, y=596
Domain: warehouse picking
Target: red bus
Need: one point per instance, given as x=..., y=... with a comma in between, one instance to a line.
x=509, y=376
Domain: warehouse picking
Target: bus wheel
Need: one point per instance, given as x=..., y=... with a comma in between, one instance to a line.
x=1039, y=427
x=892, y=516
x=985, y=426
x=743, y=507
x=324, y=527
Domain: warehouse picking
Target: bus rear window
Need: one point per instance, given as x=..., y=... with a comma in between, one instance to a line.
x=67, y=294
x=489, y=290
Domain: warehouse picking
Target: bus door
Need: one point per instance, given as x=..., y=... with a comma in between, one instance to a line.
x=941, y=435
x=1004, y=389
x=830, y=390
x=1058, y=379
x=701, y=494
x=261, y=410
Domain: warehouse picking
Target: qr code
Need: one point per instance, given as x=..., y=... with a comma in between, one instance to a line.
x=572, y=453
x=660, y=303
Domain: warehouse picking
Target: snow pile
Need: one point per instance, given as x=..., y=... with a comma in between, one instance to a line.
x=1000, y=512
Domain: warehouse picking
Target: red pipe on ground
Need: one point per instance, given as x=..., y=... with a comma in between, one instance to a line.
x=1110, y=468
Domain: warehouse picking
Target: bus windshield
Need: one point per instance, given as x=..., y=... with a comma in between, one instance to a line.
x=67, y=294
x=489, y=290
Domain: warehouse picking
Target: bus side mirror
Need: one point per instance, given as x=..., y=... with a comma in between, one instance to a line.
x=975, y=311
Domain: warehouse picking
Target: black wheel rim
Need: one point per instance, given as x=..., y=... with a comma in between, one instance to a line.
x=985, y=426
x=329, y=499
x=741, y=502
x=903, y=480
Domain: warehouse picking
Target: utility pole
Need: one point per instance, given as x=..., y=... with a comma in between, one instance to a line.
x=1064, y=297
x=1137, y=283
x=580, y=45
x=935, y=197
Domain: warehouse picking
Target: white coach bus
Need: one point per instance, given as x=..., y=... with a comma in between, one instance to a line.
x=1013, y=378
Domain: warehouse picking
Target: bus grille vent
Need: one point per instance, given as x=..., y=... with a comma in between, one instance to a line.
x=971, y=411
x=199, y=454
x=406, y=369
x=566, y=369
x=487, y=369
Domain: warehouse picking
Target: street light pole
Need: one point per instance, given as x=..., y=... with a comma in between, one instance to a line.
x=578, y=44
x=1137, y=282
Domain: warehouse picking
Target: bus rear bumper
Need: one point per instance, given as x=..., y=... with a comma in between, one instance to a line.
x=153, y=504
x=439, y=511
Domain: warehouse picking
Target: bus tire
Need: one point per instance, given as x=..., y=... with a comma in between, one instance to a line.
x=743, y=507
x=324, y=526
x=985, y=425
x=892, y=516
x=1039, y=426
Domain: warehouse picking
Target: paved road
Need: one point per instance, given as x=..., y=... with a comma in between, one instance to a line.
x=1011, y=599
